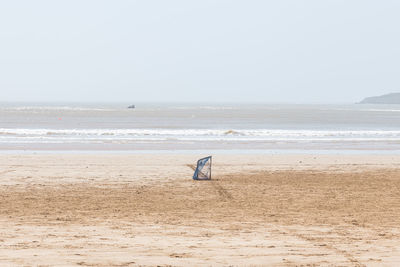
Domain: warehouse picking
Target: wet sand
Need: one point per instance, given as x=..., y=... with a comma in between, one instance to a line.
x=129, y=210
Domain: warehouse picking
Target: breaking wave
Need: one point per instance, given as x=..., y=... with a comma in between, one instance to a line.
x=229, y=135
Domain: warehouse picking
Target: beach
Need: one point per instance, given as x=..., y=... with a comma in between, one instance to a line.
x=199, y=133
x=91, y=209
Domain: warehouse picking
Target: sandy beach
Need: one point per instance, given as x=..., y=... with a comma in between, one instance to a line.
x=145, y=210
x=108, y=109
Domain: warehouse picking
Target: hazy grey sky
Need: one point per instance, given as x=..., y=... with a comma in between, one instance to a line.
x=268, y=51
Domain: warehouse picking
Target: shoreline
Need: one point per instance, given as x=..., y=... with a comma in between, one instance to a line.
x=201, y=151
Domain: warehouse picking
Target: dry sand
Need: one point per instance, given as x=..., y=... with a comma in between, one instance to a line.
x=129, y=210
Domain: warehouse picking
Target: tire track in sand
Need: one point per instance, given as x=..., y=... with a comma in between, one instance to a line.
x=314, y=241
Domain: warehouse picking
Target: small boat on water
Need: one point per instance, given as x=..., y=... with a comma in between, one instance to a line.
x=132, y=106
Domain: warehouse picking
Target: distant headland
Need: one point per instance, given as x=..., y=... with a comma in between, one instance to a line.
x=393, y=98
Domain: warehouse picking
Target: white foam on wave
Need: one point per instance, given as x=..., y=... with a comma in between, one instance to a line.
x=201, y=134
x=364, y=110
x=53, y=108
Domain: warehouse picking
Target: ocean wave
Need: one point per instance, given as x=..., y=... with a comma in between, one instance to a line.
x=53, y=108
x=204, y=107
x=200, y=133
x=363, y=110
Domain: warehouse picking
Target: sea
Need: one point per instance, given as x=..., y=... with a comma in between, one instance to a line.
x=196, y=127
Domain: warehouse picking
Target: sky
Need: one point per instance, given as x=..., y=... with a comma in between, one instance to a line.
x=309, y=51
